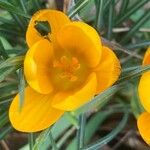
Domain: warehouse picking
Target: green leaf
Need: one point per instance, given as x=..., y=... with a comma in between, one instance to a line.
x=145, y=17
x=3, y=119
x=7, y=71
x=124, y=5
x=21, y=88
x=23, y=5
x=11, y=8
x=41, y=139
x=100, y=143
x=12, y=62
x=2, y=51
x=99, y=14
x=72, y=119
x=135, y=73
x=5, y=131
x=143, y=44
x=92, y=126
x=81, y=131
x=79, y=5
x=31, y=140
x=136, y=106
x=111, y=19
x=130, y=11
x=99, y=99
x=57, y=129
x=54, y=147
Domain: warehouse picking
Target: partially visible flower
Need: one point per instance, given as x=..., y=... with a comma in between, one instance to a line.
x=64, y=70
x=144, y=94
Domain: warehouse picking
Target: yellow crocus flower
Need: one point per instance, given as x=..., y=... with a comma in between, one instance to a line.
x=144, y=94
x=64, y=70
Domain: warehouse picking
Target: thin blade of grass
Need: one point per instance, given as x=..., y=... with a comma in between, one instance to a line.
x=54, y=146
x=11, y=8
x=99, y=99
x=143, y=44
x=130, y=11
x=5, y=132
x=3, y=51
x=21, y=88
x=79, y=5
x=124, y=6
x=31, y=140
x=72, y=119
x=145, y=17
x=81, y=131
x=110, y=19
x=99, y=14
x=135, y=73
x=110, y=136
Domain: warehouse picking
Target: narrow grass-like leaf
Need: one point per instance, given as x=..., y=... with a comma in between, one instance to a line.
x=5, y=131
x=5, y=101
x=91, y=127
x=36, y=3
x=81, y=131
x=143, y=19
x=128, y=69
x=124, y=5
x=13, y=61
x=21, y=88
x=99, y=99
x=99, y=14
x=6, y=71
x=9, y=31
x=79, y=5
x=72, y=119
x=131, y=10
x=143, y=44
x=57, y=129
x=8, y=85
x=6, y=21
x=41, y=139
x=3, y=119
x=110, y=19
x=100, y=143
x=9, y=7
x=7, y=96
x=54, y=147
x=64, y=138
x=135, y=73
x=31, y=140
x=3, y=51
x=19, y=21
x=23, y=5
x=136, y=107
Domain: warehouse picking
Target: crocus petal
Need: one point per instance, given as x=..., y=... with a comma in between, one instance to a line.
x=56, y=20
x=144, y=90
x=108, y=69
x=36, y=113
x=143, y=124
x=68, y=101
x=146, y=60
x=37, y=66
x=83, y=40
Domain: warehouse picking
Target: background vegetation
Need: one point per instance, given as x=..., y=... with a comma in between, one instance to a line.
x=109, y=121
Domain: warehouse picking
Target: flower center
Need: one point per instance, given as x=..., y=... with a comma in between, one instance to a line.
x=68, y=67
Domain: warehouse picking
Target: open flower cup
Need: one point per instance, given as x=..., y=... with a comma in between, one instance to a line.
x=63, y=69
x=144, y=94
